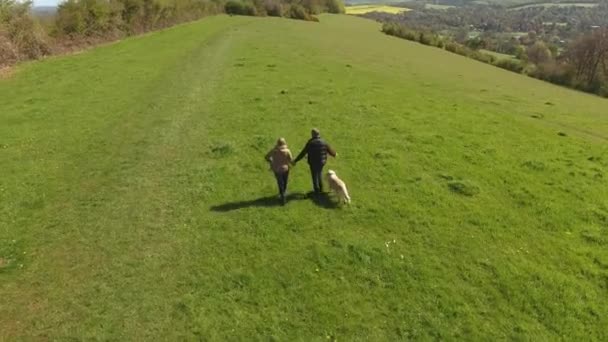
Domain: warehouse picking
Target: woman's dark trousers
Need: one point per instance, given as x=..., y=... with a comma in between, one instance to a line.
x=282, y=179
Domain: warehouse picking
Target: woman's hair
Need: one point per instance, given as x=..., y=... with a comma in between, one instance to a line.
x=281, y=142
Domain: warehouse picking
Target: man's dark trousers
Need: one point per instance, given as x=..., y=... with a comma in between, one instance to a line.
x=316, y=172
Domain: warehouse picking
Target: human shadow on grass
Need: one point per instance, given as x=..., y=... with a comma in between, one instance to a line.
x=321, y=200
x=268, y=201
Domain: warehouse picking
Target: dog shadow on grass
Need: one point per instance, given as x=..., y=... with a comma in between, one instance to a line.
x=321, y=200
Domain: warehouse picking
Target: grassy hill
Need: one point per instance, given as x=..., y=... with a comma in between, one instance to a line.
x=135, y=203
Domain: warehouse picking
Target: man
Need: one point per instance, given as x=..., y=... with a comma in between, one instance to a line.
x=317, y=151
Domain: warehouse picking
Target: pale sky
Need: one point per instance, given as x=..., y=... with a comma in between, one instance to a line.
x=46, y=2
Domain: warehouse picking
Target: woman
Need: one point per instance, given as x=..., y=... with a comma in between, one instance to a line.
x=280, y=162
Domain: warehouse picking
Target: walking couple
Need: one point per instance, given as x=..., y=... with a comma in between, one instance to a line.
x=281, y=161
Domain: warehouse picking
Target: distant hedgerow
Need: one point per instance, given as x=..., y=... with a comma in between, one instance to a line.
x=79, y=23
x=482, y=57
x=432, y=39
x=240, y=8
x=273, y=8
x=510, y=64
x=21, y=36
x=582, y=67
x=297, y=11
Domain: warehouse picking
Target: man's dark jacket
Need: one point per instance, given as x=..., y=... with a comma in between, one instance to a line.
x=317, y=150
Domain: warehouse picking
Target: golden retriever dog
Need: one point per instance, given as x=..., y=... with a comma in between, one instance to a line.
x=338, y=186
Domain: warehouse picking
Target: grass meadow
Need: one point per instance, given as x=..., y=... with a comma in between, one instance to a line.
x=135, y=203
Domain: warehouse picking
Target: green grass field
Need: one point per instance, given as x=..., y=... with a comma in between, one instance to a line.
x=363, y=9
x=135, y=203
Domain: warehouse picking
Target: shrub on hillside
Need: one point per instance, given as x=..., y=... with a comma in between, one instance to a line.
x=390, y=28
x=482, y=57
x=538, y=53
x=520, y=53
x=88, y=18
x=111, y=19
x=84, y=22
x=408, y=34
x=249, y=9
x=457, y=49
x=335, y=6
x=8, y=51
x=475, y=43
x=424, y=39
x=297, y=11
x=69, y=19
x=311, y=6
x=556, y=73
x=273, y=8
x=240, y=8
x=510, y=64
x=21, y=37
x=431, y=39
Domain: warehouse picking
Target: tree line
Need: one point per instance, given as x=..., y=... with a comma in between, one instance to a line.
x=582, y=65
x=78, y=23
x=553, y=24
x=562, y=45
